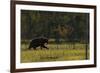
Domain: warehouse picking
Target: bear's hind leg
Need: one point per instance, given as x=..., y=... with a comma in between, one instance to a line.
x=45, y=47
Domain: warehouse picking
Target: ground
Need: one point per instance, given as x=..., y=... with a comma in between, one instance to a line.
x=62, y=52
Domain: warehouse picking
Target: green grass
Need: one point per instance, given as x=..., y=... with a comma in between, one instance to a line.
x=62, y=52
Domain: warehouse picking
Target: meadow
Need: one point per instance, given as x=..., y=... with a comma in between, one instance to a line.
x=60, y=52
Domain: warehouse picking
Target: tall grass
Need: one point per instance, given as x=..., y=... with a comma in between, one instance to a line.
x=62, y=52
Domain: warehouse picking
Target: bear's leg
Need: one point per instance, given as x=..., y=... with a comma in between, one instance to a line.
x=34, y=48
x=41, y=47
x=45, y=47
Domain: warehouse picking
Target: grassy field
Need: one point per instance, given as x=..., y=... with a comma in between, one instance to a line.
x=62, y=52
